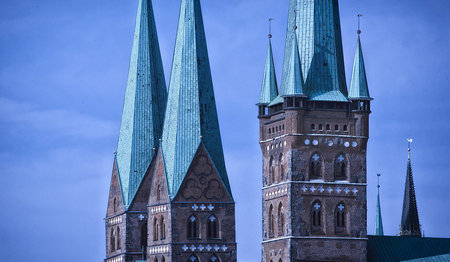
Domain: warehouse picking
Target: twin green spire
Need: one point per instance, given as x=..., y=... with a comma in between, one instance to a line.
x=191, y=116
x=314, y=35
x=144, y=105
x=269, y=88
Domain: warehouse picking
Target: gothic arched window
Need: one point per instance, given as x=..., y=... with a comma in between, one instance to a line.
x=192, y=227
x=112, y=240
x=271, y=222
x=340, y=167
x=115, y=204
x=155, y=229
x=281, y=167
x=281, y=222
x=316, y=217
x=212, y=227
x=193, y=258
x=271, y=171
x=155, y=260
x=163, y=259
x=340, y=218
x=118, y=239
x=163, y=228
x=158, y=193
x=315, y=166
x=213, y=258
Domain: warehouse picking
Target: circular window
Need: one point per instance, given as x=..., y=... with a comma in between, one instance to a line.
x=346, y=144
x=307, y=142
x=315, y=142
x=354, y=144
x=330, y=143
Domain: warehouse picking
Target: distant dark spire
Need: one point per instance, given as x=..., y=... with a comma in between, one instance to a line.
x=410, y=217
x=378, y=219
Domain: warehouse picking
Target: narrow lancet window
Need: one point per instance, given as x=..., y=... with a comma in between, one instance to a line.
x=212, y=227
x=316, y=217
x=192, y=227
x=315, y=166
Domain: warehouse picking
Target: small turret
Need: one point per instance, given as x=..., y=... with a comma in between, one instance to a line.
x=410, y=225
x=378, y=231
x=269, y=89
x=359, y=89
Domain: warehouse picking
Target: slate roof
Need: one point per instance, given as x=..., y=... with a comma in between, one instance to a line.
x=394, y=249
x=144, y=105
x=440, y=258
x=359, y=88
x=410, y=225
x=320, y=47
x=269, y=89
x=191, y=115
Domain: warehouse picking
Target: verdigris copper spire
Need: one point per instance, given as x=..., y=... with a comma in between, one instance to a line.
x=294, y=84
x=144, y=106
x=191, y=115
x=316, y=24
x=269, y=89
x=410, y=216
x=378, y=231
x=359, y=88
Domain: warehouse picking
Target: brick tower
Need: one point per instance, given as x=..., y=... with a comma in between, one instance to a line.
x=170, y=199
x=313, y=137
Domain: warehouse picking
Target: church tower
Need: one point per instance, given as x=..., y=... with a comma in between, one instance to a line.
x=191, y=210
x=313, y=137
x=140, y=131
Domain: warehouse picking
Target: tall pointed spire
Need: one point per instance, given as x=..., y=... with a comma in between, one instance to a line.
x=269, y=89
x=191, y=115
x=358, y=85
x=293, y=82
x=410, y=216
x=144, y=106
x=320, y=46
x=378, y=231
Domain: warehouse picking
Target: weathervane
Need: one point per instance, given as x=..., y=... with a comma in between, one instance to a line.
x=270, y=27
x=359, y=24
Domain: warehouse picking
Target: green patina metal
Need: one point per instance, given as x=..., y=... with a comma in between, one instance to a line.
x=394, y=249
x=293, y=82
x=316, y=24
x=191, y=116
x=358, y=87
x=144, y=105
x=378, y=231
x=269, y=89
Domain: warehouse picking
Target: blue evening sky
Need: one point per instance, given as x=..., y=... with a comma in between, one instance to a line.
x=63, y=72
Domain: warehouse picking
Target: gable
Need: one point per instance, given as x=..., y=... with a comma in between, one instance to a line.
x=115, y=194
x=158, y=192
x=202, y=182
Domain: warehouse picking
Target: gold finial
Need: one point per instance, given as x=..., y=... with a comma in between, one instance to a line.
x=378, y=175
x=270, y=27
x=409, y=147
x=359, y=24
